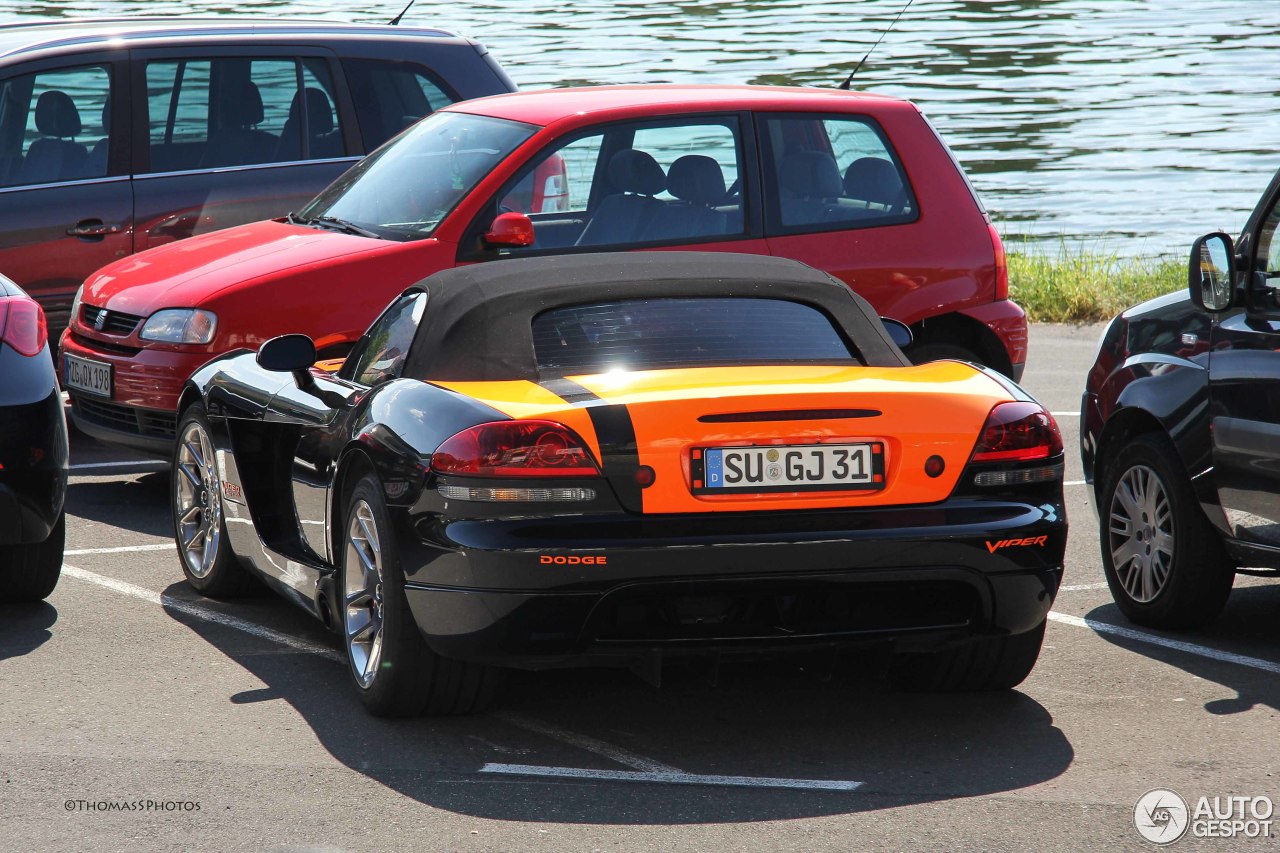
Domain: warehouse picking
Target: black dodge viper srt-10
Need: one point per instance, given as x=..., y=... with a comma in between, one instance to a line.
x=606, y=459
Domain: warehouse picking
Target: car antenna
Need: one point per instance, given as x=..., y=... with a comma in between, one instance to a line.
x=396, y=20
x=848, y=81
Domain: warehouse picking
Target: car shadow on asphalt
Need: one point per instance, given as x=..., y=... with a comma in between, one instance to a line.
x=26, y=627
x=139, y=504
x=1247, y=626
x=780, y=718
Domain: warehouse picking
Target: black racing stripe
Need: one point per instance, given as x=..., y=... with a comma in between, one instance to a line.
x=616, y=435
x=621, y=457
x=570, y=391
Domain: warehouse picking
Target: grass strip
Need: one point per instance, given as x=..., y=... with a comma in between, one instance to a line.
x=1086, y=285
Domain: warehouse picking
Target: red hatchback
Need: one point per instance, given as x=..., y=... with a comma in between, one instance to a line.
x=854, y=184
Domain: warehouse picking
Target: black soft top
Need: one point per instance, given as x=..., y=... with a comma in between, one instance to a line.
x=478, y=320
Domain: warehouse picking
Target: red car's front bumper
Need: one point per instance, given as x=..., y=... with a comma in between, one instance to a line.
x=141, y=412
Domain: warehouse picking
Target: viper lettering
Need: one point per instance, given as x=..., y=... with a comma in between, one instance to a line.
x=1016, y=543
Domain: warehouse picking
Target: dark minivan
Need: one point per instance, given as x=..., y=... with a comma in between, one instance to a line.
x=120, y=135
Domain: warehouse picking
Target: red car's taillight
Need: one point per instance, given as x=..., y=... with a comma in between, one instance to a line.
x=22, y=325
x=515, y=449
x=1017, y=432
x=1002, y=263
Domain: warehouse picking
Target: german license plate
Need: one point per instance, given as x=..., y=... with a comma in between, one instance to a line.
x=91, y=377
x=789, y=468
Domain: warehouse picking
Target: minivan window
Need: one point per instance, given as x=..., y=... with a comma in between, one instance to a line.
x=403, y=191
x=54, y=126
x=654, y=334
x=831, y=172
x=390, y=96
x=237, y=111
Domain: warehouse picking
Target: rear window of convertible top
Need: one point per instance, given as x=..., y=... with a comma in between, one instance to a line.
x=653, y=334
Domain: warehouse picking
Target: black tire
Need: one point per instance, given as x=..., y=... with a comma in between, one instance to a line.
x=985, y=663
x=406, y=678
x=927, y=351
x=1198, y=575
x=219, y=574
x=29, y=572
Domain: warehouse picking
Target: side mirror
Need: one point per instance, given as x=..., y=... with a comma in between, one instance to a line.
x=899, y=332
x=1212, y=273
x=510, y=231
x=289, y=354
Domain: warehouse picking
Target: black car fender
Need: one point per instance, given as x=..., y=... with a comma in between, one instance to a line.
x=394, y=432
x=234, y=386
x=1153, y=391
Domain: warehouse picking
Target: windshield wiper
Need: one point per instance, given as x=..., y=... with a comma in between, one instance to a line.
x=333, y=223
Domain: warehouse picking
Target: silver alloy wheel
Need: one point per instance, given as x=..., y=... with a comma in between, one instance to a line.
x=197, y=501
x=362, y=594
x=1141, y=531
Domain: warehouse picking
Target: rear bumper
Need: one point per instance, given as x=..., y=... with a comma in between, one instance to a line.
x=919, y=578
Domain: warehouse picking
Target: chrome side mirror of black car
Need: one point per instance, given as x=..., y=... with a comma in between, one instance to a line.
x=289, y=354
x=1212, y=273
x=899, y=332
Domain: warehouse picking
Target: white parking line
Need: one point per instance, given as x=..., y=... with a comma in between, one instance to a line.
x=149, y=464
x=590, y=744
x=647, y=769
x=673, y=778
x=1065, y=414
x=1156, y=640
x=200, y=612
x=1081, y=587
x=1075, y=482
x=123, y=549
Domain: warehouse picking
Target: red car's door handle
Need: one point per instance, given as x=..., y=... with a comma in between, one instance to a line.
x=93, y=228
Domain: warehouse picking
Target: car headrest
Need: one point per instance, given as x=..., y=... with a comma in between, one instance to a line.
x=635, y=171
x=56, y=114
x=811, y=174
x=874, y=179
x=106, y=115
x=319, y=111
x=241, y=105
x=697, y=179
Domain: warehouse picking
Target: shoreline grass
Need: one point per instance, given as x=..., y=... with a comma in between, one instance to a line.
x=1082, y=285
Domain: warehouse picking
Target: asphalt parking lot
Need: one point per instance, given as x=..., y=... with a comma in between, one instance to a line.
x=237, y=719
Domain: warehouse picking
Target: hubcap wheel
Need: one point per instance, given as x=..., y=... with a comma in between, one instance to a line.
x=197, y=501
x=1141, y=533
x=362, y=594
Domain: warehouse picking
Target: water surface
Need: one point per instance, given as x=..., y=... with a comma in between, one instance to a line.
x=1134, y=125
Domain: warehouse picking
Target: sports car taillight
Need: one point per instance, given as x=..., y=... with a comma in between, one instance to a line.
x=1017, y=432
x=22, y=325
x=515, y=449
